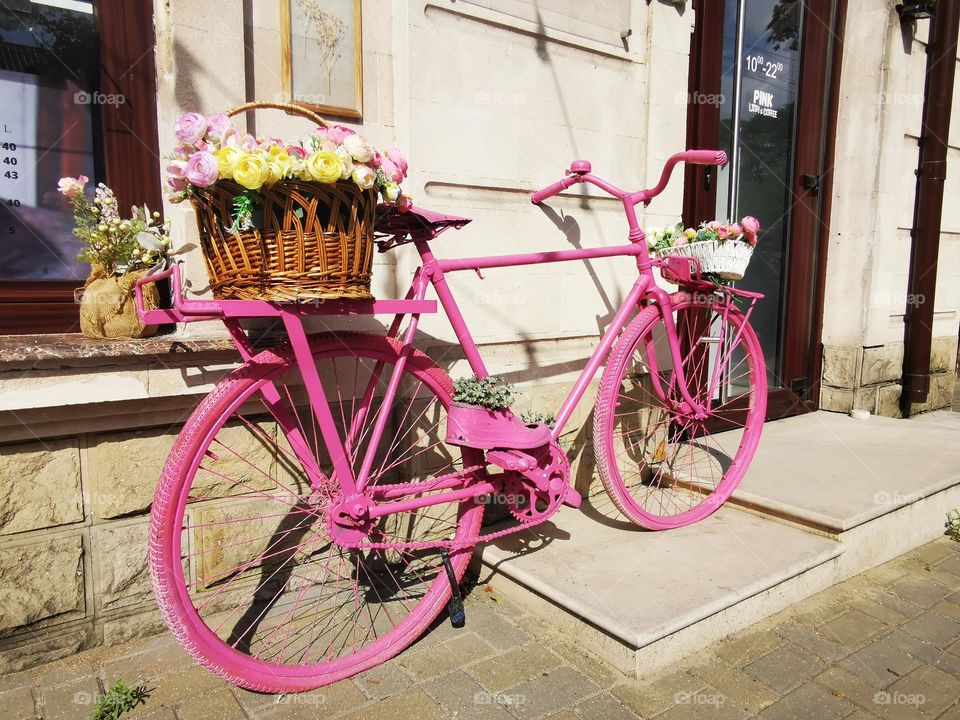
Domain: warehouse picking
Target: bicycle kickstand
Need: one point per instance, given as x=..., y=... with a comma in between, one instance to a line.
x=458, y=616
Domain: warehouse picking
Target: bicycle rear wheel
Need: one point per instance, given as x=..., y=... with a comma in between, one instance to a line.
x=243, y=567
x=662, y=467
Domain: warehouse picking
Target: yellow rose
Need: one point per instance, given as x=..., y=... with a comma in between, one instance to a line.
x=251, y=170
x=280, y=164
x=324, y=167
x=227, y=158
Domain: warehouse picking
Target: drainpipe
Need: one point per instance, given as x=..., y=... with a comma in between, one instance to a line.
x=928, y=208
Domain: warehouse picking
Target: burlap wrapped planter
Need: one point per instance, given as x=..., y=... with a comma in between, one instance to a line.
x=108, y=310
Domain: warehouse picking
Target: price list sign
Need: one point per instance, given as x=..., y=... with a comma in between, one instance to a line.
x=44, y=135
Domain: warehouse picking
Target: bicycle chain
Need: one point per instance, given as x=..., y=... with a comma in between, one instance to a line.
x=523, y=524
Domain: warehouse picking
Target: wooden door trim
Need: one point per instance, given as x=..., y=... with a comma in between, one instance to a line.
x=809, y=221
x=703, y=120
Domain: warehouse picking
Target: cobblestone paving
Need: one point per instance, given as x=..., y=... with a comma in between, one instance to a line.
x=885, y=644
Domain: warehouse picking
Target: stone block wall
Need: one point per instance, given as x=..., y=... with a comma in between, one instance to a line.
x=868, y=378
x=74, y=512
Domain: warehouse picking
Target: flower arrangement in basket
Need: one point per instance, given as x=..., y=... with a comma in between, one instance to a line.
x=284, y=220
x=723, y=249
x=120, y=252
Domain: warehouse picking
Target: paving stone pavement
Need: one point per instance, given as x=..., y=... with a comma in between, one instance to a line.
x=885, y=644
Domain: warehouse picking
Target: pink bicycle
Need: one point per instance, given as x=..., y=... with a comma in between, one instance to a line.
x=321, y=505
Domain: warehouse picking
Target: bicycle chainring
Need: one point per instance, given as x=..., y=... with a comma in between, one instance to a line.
x=537, y=494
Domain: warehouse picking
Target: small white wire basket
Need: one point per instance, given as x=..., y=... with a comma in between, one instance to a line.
x=728, y=259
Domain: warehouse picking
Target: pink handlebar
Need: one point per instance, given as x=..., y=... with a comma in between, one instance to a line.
x=540, y=195
x=580, y=172
x=704, y=157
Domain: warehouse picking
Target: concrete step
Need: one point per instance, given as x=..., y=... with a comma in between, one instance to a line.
x=826, y=497
x=833, y=473
x=642, y=600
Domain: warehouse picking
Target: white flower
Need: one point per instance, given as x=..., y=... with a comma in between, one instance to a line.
x=392, y=191
x=341, y=153
x=364, y=176
x=651, y=240
x=359, y=147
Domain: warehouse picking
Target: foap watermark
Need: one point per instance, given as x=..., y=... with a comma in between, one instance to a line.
x=912, y=300
x=485, y=97
x=897, y=98
x=699, y=98
x=699, y=697
x=500, y=499
x=301, y=699
x=84, y=698
x=898, y=698
x=98, y=98
x=306, y=99
x=895, y=498
x=487, y=698
x=498, y=298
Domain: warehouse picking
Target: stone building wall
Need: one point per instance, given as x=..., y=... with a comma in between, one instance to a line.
x=881, y=106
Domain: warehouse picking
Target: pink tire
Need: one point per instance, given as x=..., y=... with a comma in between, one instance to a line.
x=661, y=467
x=243, y=568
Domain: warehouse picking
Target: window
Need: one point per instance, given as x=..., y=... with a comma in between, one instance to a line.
x=77, y=97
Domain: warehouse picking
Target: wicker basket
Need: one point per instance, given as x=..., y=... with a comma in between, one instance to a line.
x=728, y=259
x=312, y=240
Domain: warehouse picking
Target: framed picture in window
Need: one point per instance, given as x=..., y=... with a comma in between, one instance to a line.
x=322, y=56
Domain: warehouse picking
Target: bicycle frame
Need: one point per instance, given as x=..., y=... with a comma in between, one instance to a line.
x=432, y=273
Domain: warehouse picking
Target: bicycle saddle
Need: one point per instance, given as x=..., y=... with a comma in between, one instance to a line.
x=396, y=228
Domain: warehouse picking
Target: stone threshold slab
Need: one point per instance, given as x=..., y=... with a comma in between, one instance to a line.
x=833, y=473
x=639, y=587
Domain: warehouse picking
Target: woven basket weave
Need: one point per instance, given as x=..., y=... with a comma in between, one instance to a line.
x=312, y=240
x=728, y=259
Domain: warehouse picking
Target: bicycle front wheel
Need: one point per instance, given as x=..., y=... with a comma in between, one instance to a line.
x=244, y=569
x=662, y=466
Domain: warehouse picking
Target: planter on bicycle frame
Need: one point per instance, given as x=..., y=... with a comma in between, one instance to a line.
x=484, y=429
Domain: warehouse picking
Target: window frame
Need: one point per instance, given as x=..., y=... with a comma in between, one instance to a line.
x=128, y=137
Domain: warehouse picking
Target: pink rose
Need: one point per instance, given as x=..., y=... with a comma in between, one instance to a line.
x=202, y=169
x=339, y=133
x=296, y=150
x=736, y=229
x=231, y=136
x=190, y=128
x=218, y=124
x=177, y=184
x=723, y=232
x=751, y=227
x=376, y=160
x=680, y=239
x=71, y=187
x=177, y=169
x=398, y=159
x=391, y=171
x=183, y=152
x=249, y=142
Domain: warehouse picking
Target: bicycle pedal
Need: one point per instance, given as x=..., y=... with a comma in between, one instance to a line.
x=458, y=615
x=512, y=460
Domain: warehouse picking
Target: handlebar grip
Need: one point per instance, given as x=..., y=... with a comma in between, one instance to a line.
x=705, y=157
x=540, y=195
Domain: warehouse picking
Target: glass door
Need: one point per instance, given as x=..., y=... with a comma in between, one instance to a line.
x=761, y=68
x=768, y=71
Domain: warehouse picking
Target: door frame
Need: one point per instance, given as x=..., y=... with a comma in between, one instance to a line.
x=809, y=230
